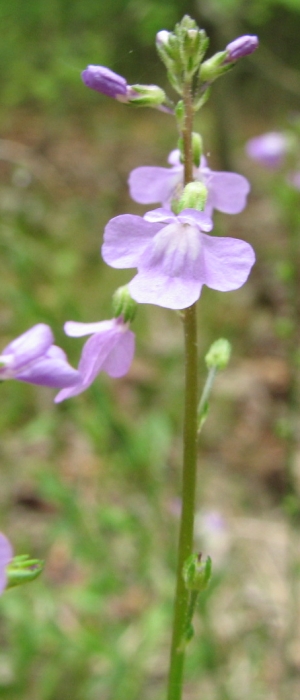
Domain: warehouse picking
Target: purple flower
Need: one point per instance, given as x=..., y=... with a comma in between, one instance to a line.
x=227, y=192
x=269, y=149
x=174, y=256
x=243, y=46
x=110, y=349
x=6, y=555
x=33, y=358
x=107, y=82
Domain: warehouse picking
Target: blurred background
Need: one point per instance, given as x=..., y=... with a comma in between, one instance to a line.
x=92, y=485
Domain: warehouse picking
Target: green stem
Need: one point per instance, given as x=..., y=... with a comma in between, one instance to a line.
x=212, y=372
x=189, y=454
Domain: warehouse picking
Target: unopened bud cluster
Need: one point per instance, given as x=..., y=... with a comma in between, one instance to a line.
x=182, y=51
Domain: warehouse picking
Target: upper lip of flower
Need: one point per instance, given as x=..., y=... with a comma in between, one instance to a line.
x=227, y=191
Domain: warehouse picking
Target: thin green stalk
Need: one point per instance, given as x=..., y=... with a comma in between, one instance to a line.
x=189, y=455
x=202, y=411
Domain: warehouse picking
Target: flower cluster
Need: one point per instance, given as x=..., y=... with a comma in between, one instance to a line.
x=172, y=247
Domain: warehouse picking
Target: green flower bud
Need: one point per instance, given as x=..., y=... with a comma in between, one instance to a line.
x=147, y=96
x=201, y=99
x=180, y=114
x=123, y=304
x=218, y=355
x=194, y=196
x=214, y=67
x=182, y=51
x=196, y=573
x=197, y=146
x=23, y=570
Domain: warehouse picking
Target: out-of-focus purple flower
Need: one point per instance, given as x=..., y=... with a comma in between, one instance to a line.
x=268, y=149
x=110, y=349
x=227, y=192
x=293, y=178
x=33, y=358
x=174, y=256
x=6, y=555
x=107, y=82
x=243, y=46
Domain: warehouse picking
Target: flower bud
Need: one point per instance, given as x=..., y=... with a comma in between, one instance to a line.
x=213, y=67
x=194, y=196
x=146, y=95
x=196, y=573
x=218, y=355
x=243, y=46
x=23, y=570
x=197, y=148
x=107, y=82
x=162, y=38
x=180, y=115
x=123, y=304
x=182, y=51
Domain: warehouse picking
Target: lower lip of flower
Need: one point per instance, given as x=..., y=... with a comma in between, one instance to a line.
x=174, y=246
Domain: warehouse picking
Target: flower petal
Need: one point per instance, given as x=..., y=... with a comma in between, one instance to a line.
x=152, y=184
x=174, y=158
x=160, y=215
x=125, y=239
x=30, y=345
x=227, y=192
x=6, y=550
x=226, y=262
x=120, y=358
x=52, y=370
x=110, y=351
x=6, y=555
x=75, y=329
x=149, y=287
x=192, y=217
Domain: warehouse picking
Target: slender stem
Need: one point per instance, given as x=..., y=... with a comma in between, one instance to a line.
x=189, y=454
x=205, y=396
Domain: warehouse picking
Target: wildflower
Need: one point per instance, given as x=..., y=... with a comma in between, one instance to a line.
x=110, y=349
x=240, y=47
x=174, y=256
x=227, y=192
x=268, y=149
x=33, y=358
x=6, y=555
x=111, y=84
